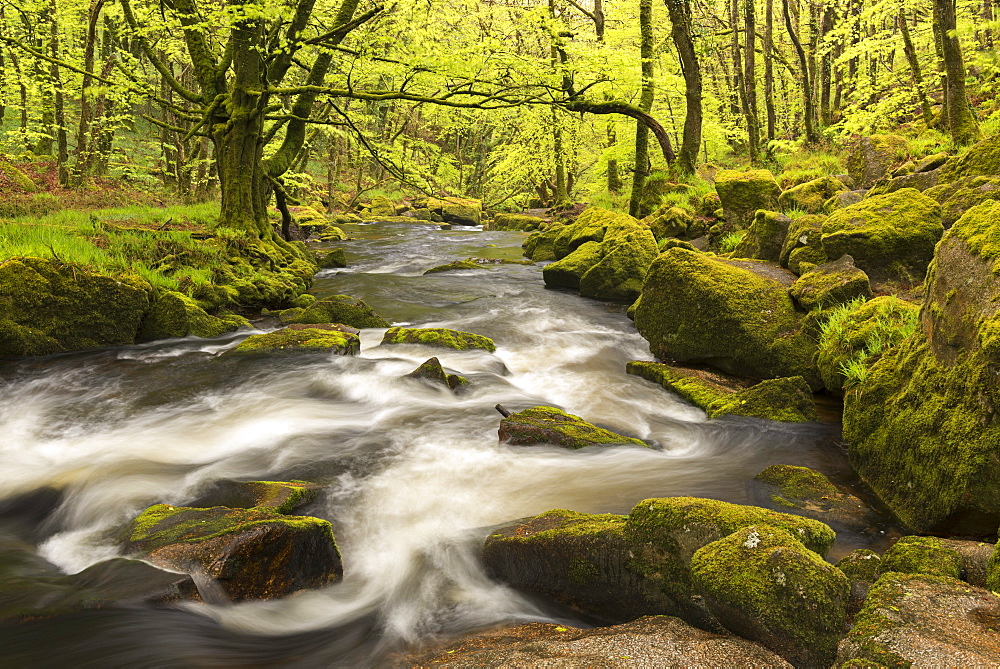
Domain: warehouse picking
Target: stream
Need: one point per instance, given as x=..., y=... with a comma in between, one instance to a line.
x=414, y=475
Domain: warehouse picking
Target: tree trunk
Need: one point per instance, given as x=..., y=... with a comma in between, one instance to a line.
x=645, y=104
x=914, y=62
x=808, y=107
x=768, y=48
x=83, y=151
x=680, y=33
x=750, y=83
x=961, y=122
x=614, y=175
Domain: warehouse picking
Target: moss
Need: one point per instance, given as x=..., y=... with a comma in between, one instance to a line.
x=568, y=271
x=674, y=222
x=841, y=200
x=797, y=483
x=455, y=381
x=453, y=266
x=871, y=157
x=548, y=425
x=333, y=259
x=811, y=196
x=743, y=193
x=557, y=523
x=520, y=222
x=993, y=571
x=342, y=309
x=764, y=238
x=764, y=584
x=980, y=159
x=890, y=237
x=307, y=340
x=922, y=555
x=861, y=565
x=174, y=314
x=331, y=233
x=831, y=284
x=804, y=233
x=958, y=197
x=589, y=226
x=19, y=179
x=696, y=308
x=582, y=571
x=439, y=337
x=430, y=370
x=701, y=392
x=380, y=206
x=619, y=273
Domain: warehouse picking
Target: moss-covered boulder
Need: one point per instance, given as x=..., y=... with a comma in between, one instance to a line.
x=279, y=496
x=981, y=159
x=804, y=491
x=861, y=564
x=567, y=272
x=843, y=199
x=811, y=196
x=316, y=339
x=341, y=309
x=922, y=555
x=539, y=244
x=918, y=620
x=671, y=222
x=921, y=181
x=252, y=553
x=743, y=193
x=787, y=399
x=548, y=425
x=891, y=237
x=453, y=266
x=765, y=237
x=379, y=206
x=14, y=179
x=332, y=259
x=48, y=307
x=831, y=284
x=174, y=314
x=924, y=429
x=959, y=196
x=520, y=222
x=457, y=210
x=308, y=218
x=624, y=260
x=439, y=337
x=589, y=226
x=763, y=584
x=736, y=316
x=432, y=372
x=870, y=158
x=931, y=162
x=803, y=243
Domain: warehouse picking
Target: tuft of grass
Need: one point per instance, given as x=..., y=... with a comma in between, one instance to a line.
x=729, y=241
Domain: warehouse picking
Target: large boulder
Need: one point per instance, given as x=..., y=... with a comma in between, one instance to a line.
x=48, y=307
x=870, y=158
x=743, y=193
x=589, y=226
x=925, y=428
x=379, y=207
x=765, y=237
x=329, y=338
x=342, y=309
x=959, y=196
x=922, y=555
x=921, y=181
x=567, y=271
x=439, y=337
x=891, y=237
x=811, y=196
x=670, y=222
x=921, y=620
x=174, y=314
x=803, y=243
x=981, y=159
x=624, y=260
x=548, y=425
x=652, y=641
x=250, y=553
x=522, y=222
x=734, y=315
x=539, y=245
x=830, y=284
x=762, y=583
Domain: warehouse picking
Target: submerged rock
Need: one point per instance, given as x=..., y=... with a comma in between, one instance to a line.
x=830, y=284
x=439, y=337
x=279, y=496
x=341, y=309
x=454, y=265
x=318, y=339
x=251, y=553
x=804, y=491
x=432, y=372
x=919, y=619
x=743, y=193
x=548, y=425
x=655, y=641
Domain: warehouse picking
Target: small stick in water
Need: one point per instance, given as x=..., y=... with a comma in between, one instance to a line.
x=503, y=412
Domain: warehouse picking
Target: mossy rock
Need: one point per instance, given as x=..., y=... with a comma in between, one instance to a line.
x=959, y=196
x=925, y=428
x=803, y=242
x=870, y=158
x=734, y=316
x=548, y=425
x=439, y=337
x=861, y=565
x=278, y=496
x=517, y=222
x=286, y=316
x=763, y=584
x=589, y=226
x=454, y=266
x=674, y=222
x=980, y=159
x=253, y=553
x=765, y=237
x=307, y=340
x=922, y=555
x=308, y=218
x=539, y=244
x=333, y=259
x=890, y=237
x=380, y=206
x=432, y=372
x=831, y=284
x=743, y=193
x=341, y=309
x=48, y=307
x=10, y=175
x=931, y=162
x=619, y=273
x=567, y=272
x=841, y=200
x=921, y=181
x=331, y=233
x=174, y=314
x=917, y=620
x=811, y=196
x=807, y=492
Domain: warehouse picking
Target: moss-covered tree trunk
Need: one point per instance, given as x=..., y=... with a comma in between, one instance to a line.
x=962, y=123
x=645, y=104
x=680, y=33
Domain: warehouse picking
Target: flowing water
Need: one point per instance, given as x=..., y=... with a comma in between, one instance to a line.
x=414, y=475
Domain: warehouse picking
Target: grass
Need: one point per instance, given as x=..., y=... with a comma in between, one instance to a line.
x=730, y=240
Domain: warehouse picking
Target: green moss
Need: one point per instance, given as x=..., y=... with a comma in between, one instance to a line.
x=20, y=180
x=671, y=223
x=890, y=237
x=922, y=555
x=624, y=260
x=993, y=571
x=811, y=196
x=589, y=226
x=521, y=222
x=568, y=271
x=557, y=523
x=763, y=583
x=696, y=308
x=440, y=337
x=548, y=425
x=764, y=238
x=582, y=571
x=871, y=157
x=307, y=340
x=831, y=284
x=454, y=265
x=743, y=193
x=333, y=259
x=861, y=565
x=797, y=483
x=804, y=237
x=980, y=159
x=342, y=309
x=174, y=314
x=958, y=197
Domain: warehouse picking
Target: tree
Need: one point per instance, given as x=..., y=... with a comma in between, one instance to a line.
x=680, y=33
x=961, y=122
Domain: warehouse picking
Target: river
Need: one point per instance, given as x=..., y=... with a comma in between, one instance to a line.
x=414, y=476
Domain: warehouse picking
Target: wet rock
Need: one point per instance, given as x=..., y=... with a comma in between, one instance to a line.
x=656, y=641
x=922, y=555
x=743, y=193
x=318, y=339
x=341, y=309
x=539, y=245
x=804, y=491
x=439, y=337
x=890, y=237
x=516, y=222
x=831, y=284
x=47, y=307
x=453, y=266
x=736, y=316
x=332, y=259
x=861, y=565
x=811, y=196
x=803, y=243
x=548, y=425
x=959, y=196
x=250, y=553
x=432, y=372
x=568, y=271
x=279, y=496
x=624, y=260
x=925, y=430
x=870, y=158
x=924, y=620
x=765, y=237
x=762, y=583
x=174, y=314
